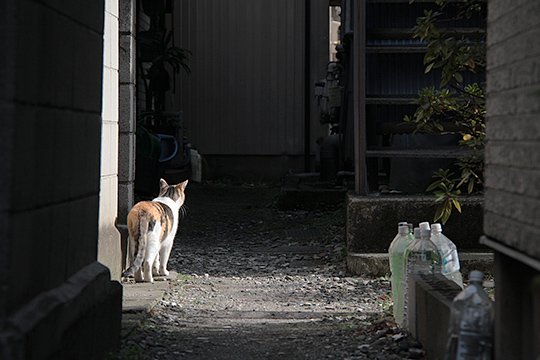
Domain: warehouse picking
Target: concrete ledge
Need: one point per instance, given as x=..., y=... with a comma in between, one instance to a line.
x=140, y=298
x=58, y=324
x=430, y=300
x=377, y=264
x=372, y=221
x=476, y=261
x=368, y=264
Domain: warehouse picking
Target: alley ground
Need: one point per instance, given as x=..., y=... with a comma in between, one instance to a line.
x=258, y=283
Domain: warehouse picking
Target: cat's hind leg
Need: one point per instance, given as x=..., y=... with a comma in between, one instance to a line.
x=152, y=250
x=138, y=275
x=133, y=241
x=164, y=253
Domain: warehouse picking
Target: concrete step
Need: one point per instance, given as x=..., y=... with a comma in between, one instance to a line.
x=139, y=299
x=377, y=264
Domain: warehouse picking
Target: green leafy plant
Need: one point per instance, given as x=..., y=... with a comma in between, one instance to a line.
x=157, y=49
x=446, y=192
x=455, y=107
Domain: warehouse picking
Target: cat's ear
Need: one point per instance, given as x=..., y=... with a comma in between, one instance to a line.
x=182, y=185
x=162, y=186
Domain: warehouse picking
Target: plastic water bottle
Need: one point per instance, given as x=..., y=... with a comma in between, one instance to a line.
x=196, y=166
x=471, y=323
x=449, y=255
x=411, y=230
x=421, y=257
x=424, y=226
x=396, y=254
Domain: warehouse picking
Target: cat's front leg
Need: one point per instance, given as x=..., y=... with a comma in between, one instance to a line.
x=147, y=270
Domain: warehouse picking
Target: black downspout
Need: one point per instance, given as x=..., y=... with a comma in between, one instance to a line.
x=307, y=87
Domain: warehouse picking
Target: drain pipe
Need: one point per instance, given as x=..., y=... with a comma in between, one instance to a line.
x=307, y=86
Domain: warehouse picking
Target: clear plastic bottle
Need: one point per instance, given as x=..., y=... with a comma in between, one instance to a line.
x=424, y=226
x=396, y=255
x=411, y=229
x=449, y=255
x=422, y=257
x=471, y=323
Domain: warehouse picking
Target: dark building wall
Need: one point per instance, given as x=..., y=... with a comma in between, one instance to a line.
x=54, y=102
x=50, y=126
x=513, y=152
x=512, y=199
x=245, y=93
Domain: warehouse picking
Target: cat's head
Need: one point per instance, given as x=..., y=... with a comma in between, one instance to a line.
x=175, y=192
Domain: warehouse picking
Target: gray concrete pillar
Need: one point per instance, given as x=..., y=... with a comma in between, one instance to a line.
x=127, y=115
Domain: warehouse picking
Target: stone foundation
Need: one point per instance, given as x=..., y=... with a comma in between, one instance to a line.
x=372, y=221
x=377, y=264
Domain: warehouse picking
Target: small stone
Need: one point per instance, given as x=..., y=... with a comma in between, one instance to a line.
x=415, y=353
x=364, y=348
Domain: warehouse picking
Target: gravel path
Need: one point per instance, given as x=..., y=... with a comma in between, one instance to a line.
x=258, y=283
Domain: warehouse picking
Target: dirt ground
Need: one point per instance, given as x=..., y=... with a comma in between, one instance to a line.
x=258, y=283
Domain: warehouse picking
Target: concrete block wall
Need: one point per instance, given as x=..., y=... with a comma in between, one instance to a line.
x=127, y=111
x=127, y=115
x=512, y=201
x=50, y=139
x=109, y=247
x=142, y=24
x=512, y=198
x=428, y=314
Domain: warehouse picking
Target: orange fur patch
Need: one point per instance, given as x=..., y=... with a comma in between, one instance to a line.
x=154, y=212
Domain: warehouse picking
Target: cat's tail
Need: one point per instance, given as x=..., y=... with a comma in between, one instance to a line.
x=141, y=249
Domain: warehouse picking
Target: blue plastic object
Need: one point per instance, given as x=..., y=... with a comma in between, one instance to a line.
x=169, y=147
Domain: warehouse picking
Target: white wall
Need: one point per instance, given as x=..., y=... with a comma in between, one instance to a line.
x=109, y=252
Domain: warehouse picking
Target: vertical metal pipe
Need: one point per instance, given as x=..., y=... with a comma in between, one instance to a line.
x=307, y=86
x=359, y=95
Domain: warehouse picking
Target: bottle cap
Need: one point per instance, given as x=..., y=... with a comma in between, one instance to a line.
x=403, y=230
x=476, y=275
x=402, y=223
x=424, y=225
x=436, y=227
x=425, y=233
x=417, y=233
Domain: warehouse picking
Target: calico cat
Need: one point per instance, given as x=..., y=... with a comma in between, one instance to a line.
x=152, y=226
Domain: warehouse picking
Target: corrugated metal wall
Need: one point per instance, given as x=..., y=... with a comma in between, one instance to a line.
x=245, y=95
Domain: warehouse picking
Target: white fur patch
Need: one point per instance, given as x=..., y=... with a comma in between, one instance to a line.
x=174, y=208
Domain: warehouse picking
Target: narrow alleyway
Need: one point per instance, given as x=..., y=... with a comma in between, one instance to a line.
x=258, y=283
